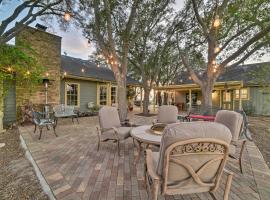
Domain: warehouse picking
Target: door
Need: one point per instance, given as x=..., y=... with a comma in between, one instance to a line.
x=227, y=100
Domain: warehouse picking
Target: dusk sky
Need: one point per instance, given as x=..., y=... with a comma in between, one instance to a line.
x=73, y=43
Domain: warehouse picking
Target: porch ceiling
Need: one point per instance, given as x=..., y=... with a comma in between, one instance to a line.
x=217, y=86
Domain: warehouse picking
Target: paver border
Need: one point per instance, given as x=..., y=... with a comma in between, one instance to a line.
x=260, y=170
x=44, y=185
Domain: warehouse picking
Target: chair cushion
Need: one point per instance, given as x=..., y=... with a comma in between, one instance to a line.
x=108, y=117
x=167, y=114
x=123, y=133
x=191, y=130
x=232, y=120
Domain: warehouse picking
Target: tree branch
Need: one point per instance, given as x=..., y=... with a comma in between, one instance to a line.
x=255, y=38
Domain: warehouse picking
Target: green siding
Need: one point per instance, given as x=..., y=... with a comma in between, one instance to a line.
x=10, y=105
x=88, y=92
x=259, y=101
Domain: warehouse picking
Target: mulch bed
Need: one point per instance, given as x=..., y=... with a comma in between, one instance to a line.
x=17, y=176
x=147, y=115
x=260, y=131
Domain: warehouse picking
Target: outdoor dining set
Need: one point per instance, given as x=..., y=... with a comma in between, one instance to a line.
x=181, y=157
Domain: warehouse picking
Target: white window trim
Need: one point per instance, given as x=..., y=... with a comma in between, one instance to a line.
x=79, y=92
x=103, y=85
x=240, y=93
x=114, y=86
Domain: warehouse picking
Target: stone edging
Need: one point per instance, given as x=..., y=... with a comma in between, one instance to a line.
x=260, y=170
x=44, y=185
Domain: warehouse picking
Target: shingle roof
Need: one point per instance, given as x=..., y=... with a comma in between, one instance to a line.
x=243, y=73
x=73, y=66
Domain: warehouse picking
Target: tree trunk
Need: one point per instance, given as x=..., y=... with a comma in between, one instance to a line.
x=159, y=100
x=146, y=99
x=122, y=99
x=207, y=97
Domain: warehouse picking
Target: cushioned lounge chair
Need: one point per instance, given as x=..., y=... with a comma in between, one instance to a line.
x=234, y=121
x=110, y=127
x=167, y=114
x=191, y=159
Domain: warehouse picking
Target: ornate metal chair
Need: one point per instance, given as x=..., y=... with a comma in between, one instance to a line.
x=111, y=127
x=40, y=121
x=191, y=159
x=167, y=114
x=238, y=127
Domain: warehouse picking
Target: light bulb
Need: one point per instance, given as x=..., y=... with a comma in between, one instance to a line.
x=217, y=49
x=9, y=69
x=216, y=22
x=82, y=70
x=47, y=74
x=67, y=16
x=214, y=70
x=65, y=73
x=98, y=65
x=28, y=72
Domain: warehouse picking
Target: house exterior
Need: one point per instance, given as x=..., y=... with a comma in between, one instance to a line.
x=241, y=87
x=72, y=81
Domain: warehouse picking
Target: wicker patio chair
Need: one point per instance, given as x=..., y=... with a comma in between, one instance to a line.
x=167, y=114
x=111, y=127
x=234, y=121
x=40, y=121
x=191, y=159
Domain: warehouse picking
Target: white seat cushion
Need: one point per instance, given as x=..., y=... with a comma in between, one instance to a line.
x=123, y=133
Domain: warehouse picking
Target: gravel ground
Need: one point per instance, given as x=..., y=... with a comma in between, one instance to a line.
x=17, y=177
x=260, y=131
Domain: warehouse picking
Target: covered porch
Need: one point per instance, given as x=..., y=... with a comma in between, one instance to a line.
x=225, y=95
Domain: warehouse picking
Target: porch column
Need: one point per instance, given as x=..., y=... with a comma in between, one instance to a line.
x=141, y=100
x=154, y=101
x=190, y=99
x=220, y=98
x=240, y=100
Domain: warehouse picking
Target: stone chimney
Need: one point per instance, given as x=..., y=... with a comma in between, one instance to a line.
x=48, y=48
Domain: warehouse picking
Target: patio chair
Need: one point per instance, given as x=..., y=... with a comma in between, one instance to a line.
x=191, y=160
x=111, y=127
x=234, y=121
x=64, y=111
x=40, y=121
x=167, y=114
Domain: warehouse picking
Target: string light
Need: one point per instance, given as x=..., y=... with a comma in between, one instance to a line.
x=217, y=49
x=47, y=74
x=98, y=65
x=65, y=73
x=216, y=23
x=82, y=70
x=28, y=72
x=67, y=16
x=107, y=61
x=214, y=70
x=189, y=77
x=111, y=56
x=214, y=62
x=9, y=69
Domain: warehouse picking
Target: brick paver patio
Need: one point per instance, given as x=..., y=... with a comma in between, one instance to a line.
x=74, y=169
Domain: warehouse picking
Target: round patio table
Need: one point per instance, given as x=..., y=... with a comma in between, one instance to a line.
x=143, y=135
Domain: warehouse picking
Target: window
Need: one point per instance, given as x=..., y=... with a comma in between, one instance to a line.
x=103, y=95
x=72, y=94
x=226, y=96
x=243, y=92
x=113, y=94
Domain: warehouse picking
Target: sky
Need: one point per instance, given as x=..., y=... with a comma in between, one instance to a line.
x=73, y=43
